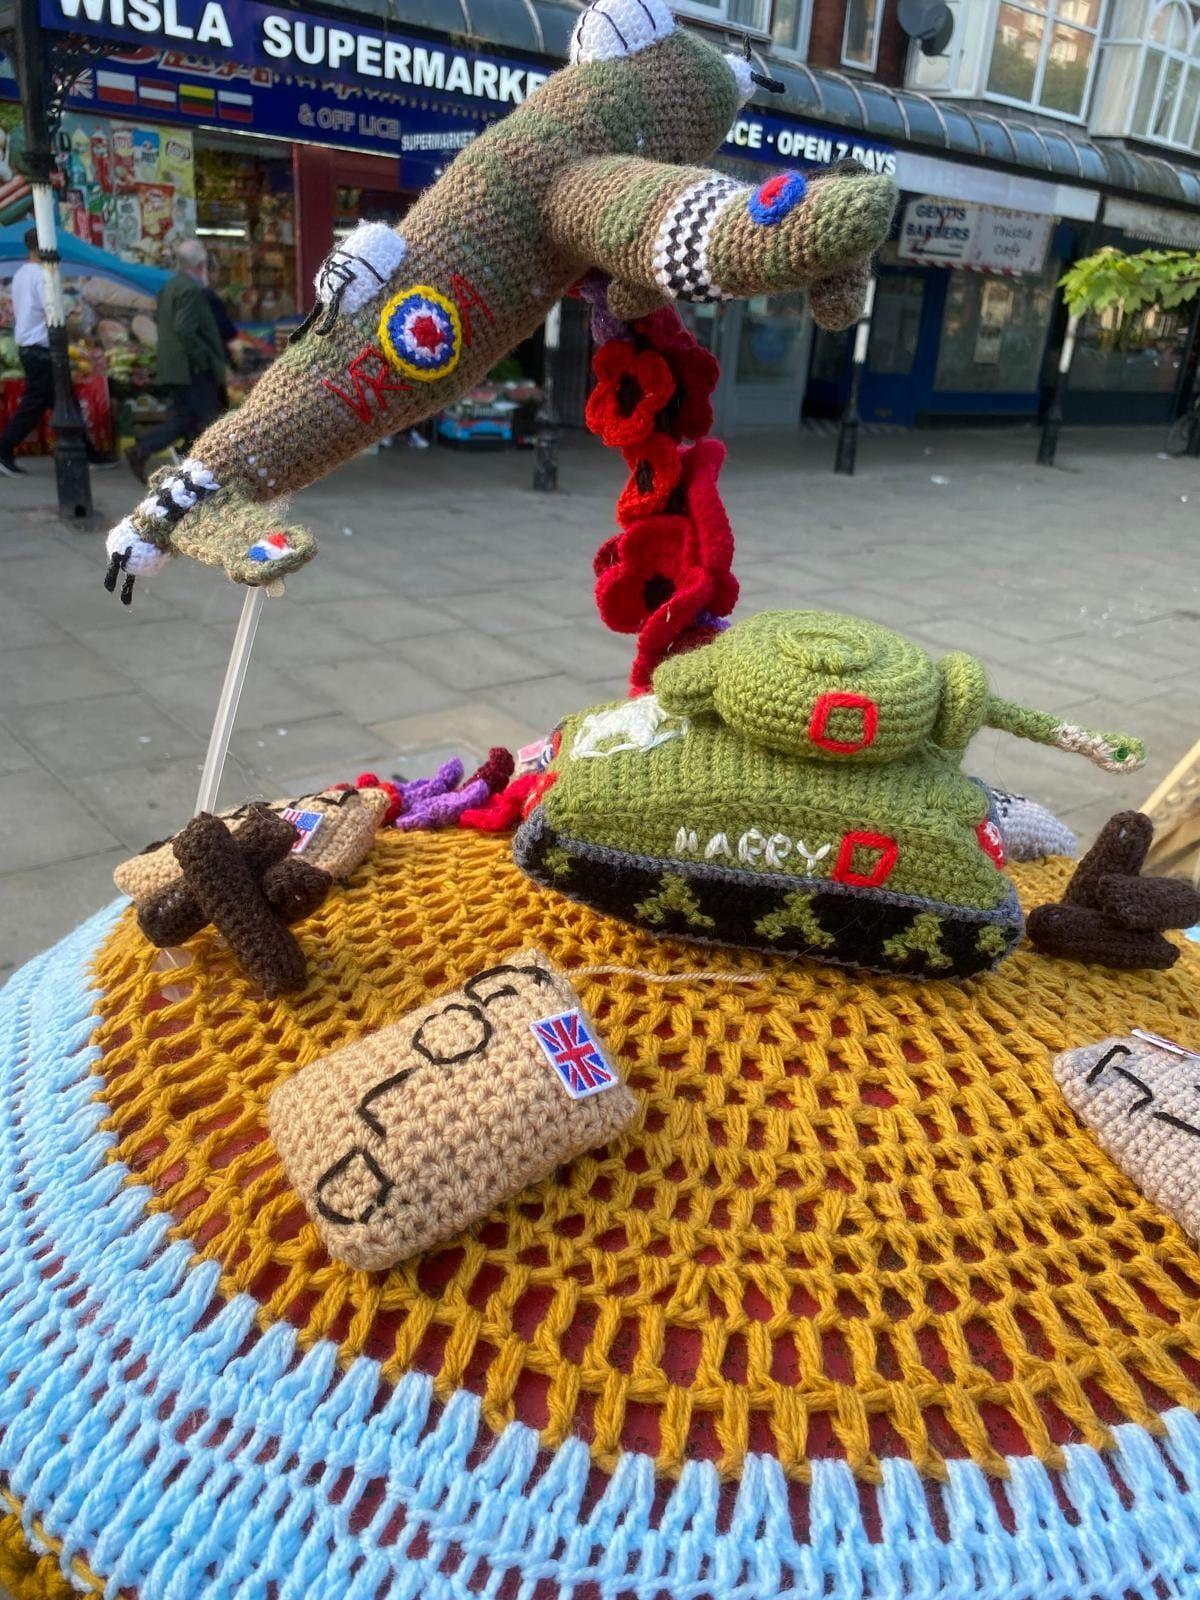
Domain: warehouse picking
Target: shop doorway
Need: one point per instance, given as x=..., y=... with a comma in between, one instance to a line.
x=900, y=357
x=763, y=345
x=896, y=377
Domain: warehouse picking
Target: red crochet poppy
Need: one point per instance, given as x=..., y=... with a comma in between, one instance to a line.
x=701, y=466
x=694, y=370
x=608, y=555
x=650, y=655
x=654, y=471
x=653, y=582
x=633, y=387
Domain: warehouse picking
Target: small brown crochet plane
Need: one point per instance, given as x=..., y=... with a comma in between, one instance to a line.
x=594, y=171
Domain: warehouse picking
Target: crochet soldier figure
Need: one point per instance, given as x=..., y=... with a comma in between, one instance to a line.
x=594, y=171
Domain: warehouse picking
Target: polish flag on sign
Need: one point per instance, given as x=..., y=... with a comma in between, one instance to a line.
x=154, y=92
x=118, y=88
x=235, y=107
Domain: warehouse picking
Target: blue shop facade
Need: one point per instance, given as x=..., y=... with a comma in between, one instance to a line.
x=363, y=105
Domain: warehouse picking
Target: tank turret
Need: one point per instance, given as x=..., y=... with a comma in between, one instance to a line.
x=827, y=687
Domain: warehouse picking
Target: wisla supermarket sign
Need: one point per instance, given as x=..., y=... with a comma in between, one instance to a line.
x=292, y=42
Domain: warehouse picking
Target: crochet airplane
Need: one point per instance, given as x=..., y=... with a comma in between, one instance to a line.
x=593, y=171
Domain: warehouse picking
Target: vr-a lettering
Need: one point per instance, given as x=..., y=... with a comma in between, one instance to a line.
x=467, y=295
x=372, y=375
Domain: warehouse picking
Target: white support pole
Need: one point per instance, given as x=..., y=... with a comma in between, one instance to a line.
x=231, y=693
x=43, y=216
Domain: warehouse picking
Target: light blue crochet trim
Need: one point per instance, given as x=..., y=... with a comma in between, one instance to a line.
x=182, y=1456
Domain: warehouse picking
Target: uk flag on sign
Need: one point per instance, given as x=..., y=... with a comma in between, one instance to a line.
x=574, y=1054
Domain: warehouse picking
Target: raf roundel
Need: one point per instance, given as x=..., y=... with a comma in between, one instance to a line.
x=421, y=331
x=772, y=200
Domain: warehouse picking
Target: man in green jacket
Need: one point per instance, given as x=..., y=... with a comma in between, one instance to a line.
x=191, y=358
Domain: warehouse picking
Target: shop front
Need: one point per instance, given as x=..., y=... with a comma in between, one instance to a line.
x=963, y=310
x=268, y=135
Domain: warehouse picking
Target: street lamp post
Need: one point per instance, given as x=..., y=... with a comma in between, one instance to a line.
x=42, y=97
x=545, y=440
x=847, y=440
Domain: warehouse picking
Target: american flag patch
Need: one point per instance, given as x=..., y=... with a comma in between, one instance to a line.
x=575, y=1056
x=305, y=823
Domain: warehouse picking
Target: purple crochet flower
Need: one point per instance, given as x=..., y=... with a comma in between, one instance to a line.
x=594, y=289
x=444, y=810
x=418, y=790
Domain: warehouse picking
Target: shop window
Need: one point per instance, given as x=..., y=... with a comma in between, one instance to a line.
x=700, y=318
x=1141, y=354
x=790, y=24
x=993, y=332
x=1042, y=53
x=896, y=323
x=860, y=38
x=245, y=215
x=749, y=14
x=1037, y=53
x=1150, y=82
x=772, y=337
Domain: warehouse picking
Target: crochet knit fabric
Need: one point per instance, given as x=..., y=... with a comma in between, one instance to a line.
x=594, y=170
x=857, y=1307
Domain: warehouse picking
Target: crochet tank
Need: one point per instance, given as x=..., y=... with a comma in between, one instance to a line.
x=856, y=1308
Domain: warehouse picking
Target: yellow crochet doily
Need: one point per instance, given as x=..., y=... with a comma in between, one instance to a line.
x=855, y=1219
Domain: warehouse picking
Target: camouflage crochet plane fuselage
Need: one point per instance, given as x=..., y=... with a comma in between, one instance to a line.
x=594, y=170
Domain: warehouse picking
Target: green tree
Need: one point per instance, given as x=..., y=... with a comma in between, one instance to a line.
x=1130, y=283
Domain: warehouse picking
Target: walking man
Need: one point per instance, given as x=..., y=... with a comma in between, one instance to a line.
x=33, y=347
x=191, y=358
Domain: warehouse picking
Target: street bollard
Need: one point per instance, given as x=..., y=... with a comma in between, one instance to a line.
x=1192, y=448
x=1052, y=421
x=545, y=440
x=847, y=440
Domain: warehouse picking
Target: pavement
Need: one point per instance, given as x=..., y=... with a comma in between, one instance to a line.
x=450, y=609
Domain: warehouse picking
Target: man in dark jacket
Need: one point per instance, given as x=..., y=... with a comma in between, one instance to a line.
x=191, y=358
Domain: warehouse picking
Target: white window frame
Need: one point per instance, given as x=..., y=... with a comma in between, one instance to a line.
x=1033, y=104
x=719, y=15
x=967, y=74
x=848, y=61
x=1188, y=57
x=799, y=50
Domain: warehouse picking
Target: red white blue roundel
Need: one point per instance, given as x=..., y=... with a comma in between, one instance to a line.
x=772, y=200
x=421, y=332
x=273, y=547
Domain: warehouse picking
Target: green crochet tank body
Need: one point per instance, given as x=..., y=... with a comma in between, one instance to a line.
x=795, y=786
x=710, y=795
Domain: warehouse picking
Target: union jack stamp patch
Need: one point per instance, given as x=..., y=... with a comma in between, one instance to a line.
x=574, y=1054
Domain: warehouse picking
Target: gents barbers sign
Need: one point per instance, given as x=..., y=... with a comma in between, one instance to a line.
x=292, y=42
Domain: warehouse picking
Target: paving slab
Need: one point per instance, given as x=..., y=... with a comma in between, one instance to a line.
x=337, y=743
x=74, y=737
x=369, y=688
x=47, y=902
x=138, y=804
x=47, y=673
x=459, y=614
x=43, y=823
